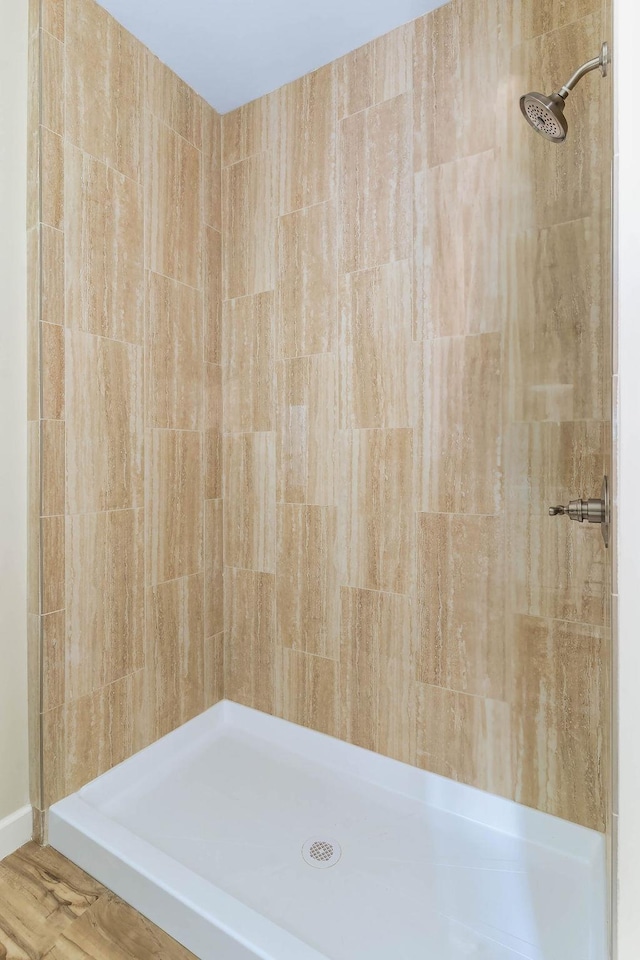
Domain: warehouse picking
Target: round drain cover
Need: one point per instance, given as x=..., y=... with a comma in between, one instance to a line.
x=321, y=853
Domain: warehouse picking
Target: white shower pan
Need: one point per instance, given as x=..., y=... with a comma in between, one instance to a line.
x=246, y=836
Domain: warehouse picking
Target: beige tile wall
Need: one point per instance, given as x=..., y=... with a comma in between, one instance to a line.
x=415, y=337
x=126, y=385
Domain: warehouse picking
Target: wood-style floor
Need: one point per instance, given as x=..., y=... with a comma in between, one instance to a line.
x=52, y=910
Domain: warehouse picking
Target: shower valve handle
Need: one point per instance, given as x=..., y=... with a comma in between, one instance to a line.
x=593, y=511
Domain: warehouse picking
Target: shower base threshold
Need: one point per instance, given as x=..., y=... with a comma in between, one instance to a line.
x=247, y=836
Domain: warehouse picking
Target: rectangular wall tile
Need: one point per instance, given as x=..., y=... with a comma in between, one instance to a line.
x=174, y=505
x=458, y=283
x=52, y=80
x=174, y=205
x=376, y=512
x=559, y=710
x=104, y=423
x=460, y=407
x=213, y=568
x=212, y=166
x=249, y=208
x=175, y=646
x=52, y=14
x=465, y=738
x=559, y=346
x=54, y=659
x=52, y=371
x=52, y=464
x=250, y=501
x=212, y=295
x=375, y=185
x=174, y=368
x=307, y=270
x=103, y=249
x=251, y=129
x=52, y=569
x=52, y=185
x=173, y=101
x=247, y=361
x=249, y=653
x=307, y=141
x=105, y=70
x=307, y=581
x=307, y=413
x=379, y=70
x=309, y=691
x=213, y=670
x=52, y=278
x=556, y=569
x=213, y=463
x=461, y=603
x=376, y=348
x=376, y=672
x=104, y=575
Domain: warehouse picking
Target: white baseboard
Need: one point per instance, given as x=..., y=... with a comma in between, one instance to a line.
x=15, y=831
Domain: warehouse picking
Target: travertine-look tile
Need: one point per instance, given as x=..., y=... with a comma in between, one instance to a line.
x=306, y=438
x=376, y=672
x=559, y=718
x=557, y=186
x=556, y=569
x=174, y=205
x=376, y=509
x=460, y=460
x=175, y=647
x=249, y=652
x=247, y=363
x=213, y=464
x=54, y=659
x=33, y=517
x=307, y=140
x=174, y=504
x=375, y=185
x=461, y=603
x=52, y=184
x=307, y=579
x=213, y=568
x=457, y=248
x=104, y=576
x=213, y=670
x=52, y=279
x=249, y=207
x=33, y=323
x=376, y=348
x=308, y=691
x=380, y=70
x=557, y=305
x=173, y=101
x=52, y=80
x=250, y=501
x=52, y=453
x=457, y=67
x=544, y=16
x=251, y=129
x=212, y=295
x=307, y=270
x=174, y=368
x=212, y=166
x=52, y=371
x=465, y=738
x=105, y=70
x=52, y=564
x=86, y=737
x=104, y=423
x=104, y=249
x=52, y=17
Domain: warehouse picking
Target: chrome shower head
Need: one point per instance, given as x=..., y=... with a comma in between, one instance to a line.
x=546, y=114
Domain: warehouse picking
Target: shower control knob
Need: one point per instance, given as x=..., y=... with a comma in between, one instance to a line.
x=593, y=511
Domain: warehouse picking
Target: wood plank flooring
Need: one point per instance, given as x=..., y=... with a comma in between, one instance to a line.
x=52, y=910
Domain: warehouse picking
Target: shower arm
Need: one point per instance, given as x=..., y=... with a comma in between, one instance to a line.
x=587, y=67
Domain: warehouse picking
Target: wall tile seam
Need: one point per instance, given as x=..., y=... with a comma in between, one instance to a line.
x=98, y=690
x=182, y=283
x=463, y=693
x=66, y=138
x=601, y=627
x=302, y=652
x=373, y=106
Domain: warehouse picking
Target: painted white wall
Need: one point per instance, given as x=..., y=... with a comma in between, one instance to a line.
x=14, y=765
x=626, y=934
x=232, y=51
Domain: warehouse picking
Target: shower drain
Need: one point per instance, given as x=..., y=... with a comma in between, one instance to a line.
x=321, y=853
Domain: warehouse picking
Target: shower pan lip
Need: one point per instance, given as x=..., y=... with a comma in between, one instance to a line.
x=212, y=922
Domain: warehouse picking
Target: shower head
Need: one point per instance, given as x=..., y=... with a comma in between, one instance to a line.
x=546, y=114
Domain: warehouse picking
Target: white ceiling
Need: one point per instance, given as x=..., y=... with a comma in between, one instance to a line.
x=232, y=51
